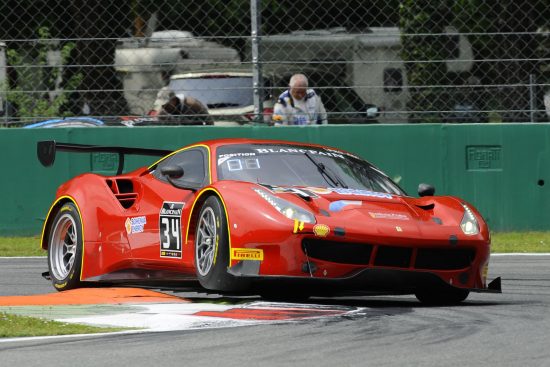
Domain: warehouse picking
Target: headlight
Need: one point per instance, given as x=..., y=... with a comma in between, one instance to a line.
x=286, y=208
x=469, y=223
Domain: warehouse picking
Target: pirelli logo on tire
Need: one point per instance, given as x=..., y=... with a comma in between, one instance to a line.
x=247, y=254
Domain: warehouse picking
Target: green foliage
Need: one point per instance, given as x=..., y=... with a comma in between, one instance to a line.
x=423, y=25
x=36, y=94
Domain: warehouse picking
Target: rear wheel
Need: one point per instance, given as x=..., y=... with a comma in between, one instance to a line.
x=212, y=249
x=445, y=297
x=65, y=248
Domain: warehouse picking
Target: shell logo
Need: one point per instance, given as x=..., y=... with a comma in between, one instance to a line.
x=321, y=230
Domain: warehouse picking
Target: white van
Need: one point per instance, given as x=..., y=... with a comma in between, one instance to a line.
x=145, y=64
x=369, y=62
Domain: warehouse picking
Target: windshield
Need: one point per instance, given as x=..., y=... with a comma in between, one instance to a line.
x=290, y=165
x=216, y=91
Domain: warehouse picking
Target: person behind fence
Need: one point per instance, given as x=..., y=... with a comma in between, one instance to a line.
x=299, y=105
x=187, y=110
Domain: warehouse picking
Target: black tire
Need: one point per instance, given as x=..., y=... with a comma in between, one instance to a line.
x=65, y=248
x=442, y=298
x=212, y=249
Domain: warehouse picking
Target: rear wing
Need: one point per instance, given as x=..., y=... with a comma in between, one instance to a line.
x=46, y=151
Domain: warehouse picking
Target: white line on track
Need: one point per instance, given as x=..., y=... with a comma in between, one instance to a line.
x=522, y=254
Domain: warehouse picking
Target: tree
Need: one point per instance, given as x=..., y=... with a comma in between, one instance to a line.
x=423, y=37
x=96, y=27
x=37, y=93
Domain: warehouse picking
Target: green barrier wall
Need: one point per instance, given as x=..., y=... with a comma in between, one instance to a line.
x=503, y=169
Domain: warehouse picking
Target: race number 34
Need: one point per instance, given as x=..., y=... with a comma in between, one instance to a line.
x=170, y=229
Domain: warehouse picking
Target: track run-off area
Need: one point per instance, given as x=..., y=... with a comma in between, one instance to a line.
x=179, y=325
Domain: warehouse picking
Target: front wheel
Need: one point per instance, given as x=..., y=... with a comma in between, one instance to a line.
x=65, y=248
x=212, y=249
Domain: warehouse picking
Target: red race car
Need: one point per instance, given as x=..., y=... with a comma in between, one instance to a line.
x=275, y=218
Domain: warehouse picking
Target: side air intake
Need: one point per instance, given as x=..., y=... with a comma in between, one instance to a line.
x=124, y=192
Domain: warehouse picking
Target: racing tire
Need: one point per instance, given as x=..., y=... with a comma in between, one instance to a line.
x=442, y=298
x=65, y=248
x=212, y=249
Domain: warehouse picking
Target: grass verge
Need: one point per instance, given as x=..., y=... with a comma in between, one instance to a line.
x=12, y=326
x=21, y=246
x=527, y=242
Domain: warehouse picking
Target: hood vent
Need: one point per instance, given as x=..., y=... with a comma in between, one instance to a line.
x=123, y=190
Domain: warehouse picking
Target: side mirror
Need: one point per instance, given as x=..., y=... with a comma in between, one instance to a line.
x=425, y=189
x=172, y=172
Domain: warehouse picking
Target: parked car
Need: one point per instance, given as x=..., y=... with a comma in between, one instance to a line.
x=67, y=122
x=275, y=218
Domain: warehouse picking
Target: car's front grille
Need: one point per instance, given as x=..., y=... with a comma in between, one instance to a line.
x=396, y=257
x=338, y=252
x=388, y=256
x=444, y=259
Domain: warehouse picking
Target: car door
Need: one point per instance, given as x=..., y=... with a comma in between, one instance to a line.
x=165, y=209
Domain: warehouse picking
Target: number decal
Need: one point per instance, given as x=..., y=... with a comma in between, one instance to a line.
x=170, y=229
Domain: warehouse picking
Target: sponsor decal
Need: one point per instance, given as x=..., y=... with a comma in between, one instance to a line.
x=222, y=158
x=247, y=254
x=170, y=229
x=298, y=150
x=321, y=230
x=135, y=225
x=339, y=205
x=298, y=226
x=291, y=190
x=319, y=190
x=343, y=191
x=357, y=192
x=395, y=216
x=398, y=229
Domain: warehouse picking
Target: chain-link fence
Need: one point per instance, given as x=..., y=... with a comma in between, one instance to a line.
x=379, y=61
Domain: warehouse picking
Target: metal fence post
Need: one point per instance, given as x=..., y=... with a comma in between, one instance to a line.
x=255, y=16
x=532, y=97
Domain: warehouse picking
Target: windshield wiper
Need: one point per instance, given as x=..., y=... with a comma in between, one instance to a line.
x=327, y=172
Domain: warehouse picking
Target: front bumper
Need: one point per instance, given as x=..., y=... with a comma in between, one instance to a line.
x=368, y=281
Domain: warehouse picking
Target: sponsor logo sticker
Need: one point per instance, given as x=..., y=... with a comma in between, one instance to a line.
x=135, y=225
x=247, y=254
x=398, y=229
x=339, y=205
x=298, y=226
x=321, y=230
x=395, y=216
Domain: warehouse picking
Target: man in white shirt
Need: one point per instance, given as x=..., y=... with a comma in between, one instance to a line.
x=299, y=105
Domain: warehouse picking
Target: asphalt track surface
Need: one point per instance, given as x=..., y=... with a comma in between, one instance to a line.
x=511, y=329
